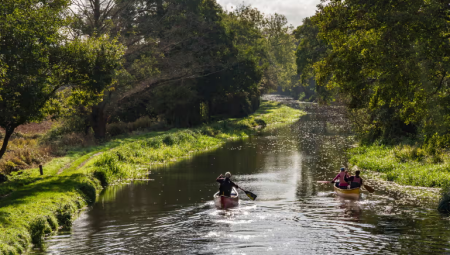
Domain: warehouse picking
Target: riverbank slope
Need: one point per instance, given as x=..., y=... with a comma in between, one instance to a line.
x=422, y=176
x=33, y=206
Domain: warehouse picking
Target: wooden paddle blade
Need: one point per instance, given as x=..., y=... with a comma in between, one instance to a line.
x=324, y=182
x=250, y=195
x=368, y=188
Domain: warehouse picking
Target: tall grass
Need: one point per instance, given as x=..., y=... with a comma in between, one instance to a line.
x=407, y=165
x=29, y=150
x=41, y=208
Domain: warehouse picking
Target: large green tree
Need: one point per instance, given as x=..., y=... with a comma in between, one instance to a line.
x=311, y=49
x=390, y=60
x=38, y=58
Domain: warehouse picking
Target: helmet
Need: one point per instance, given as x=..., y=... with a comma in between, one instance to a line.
x=228, y=174
x=342, y=169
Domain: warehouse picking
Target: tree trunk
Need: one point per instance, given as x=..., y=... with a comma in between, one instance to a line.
x=99, y=120
x=209, y=110
x=87, y=126
x=97, y=12
x=8, y=134
x=159, y=8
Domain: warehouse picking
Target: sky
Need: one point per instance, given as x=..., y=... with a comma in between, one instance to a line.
x=294, y=10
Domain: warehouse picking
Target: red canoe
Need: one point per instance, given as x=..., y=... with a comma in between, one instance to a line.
x=223, y=202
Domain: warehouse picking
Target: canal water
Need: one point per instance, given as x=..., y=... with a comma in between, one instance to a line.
x=174, y=213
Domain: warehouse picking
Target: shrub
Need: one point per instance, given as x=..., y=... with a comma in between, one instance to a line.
x=261, y=123
x=141, y=124
x=155, y=143
x=8, y=167
x=88, y=189
x=23, y=153
x=407, y=152
x=65, y=214
x=115, y=129
x=3, y=178
x=444, y=202
x=53, y=222
x=207, y=130
x=38, y=229
x=170, y=140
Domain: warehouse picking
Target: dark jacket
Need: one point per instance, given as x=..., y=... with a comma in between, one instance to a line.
x=226, y=186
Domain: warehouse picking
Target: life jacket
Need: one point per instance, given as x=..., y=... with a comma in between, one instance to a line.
x=342, y=181
x=356, y=179
x=225, y=187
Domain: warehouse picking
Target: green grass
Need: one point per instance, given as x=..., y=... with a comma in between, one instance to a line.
x=35, y=206
x=404, y=165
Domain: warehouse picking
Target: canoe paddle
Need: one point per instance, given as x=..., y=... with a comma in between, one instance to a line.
x=368, y=188
x=249, y=194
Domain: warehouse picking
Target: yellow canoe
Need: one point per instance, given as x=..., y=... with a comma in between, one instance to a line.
x=348, y=193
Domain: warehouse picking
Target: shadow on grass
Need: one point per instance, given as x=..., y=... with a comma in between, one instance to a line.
x=61, y=184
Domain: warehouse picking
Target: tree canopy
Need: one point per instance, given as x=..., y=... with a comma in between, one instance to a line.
x=37, y=59
x=388, y=62
x=91, y=63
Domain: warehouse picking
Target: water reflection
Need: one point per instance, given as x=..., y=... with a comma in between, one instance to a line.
x=175, y=214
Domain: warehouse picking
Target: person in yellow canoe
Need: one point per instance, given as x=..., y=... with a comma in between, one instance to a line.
x=342, y=176
x=355, y=181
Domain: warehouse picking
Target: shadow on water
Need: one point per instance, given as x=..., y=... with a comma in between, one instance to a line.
x=175, y=214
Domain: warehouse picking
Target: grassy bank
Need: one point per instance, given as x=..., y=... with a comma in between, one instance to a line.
x=33, y=206
x=426, y=174
x=406, y=165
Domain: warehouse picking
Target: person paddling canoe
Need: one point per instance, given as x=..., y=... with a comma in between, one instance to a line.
x=226, y=185
x=355, y=181
x=342, y=176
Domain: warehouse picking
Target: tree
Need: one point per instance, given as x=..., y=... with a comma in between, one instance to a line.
x=37, y=58
x=268, y=40
x=311, y=49
x=170, y=43
x=281, y=46
x=389, y=58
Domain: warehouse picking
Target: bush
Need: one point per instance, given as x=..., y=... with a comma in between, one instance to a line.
x=444, y=203
x=8, y=167
x=65, y=215
x=38, y=229
x=3, y=178
x=142, y=123
x=261, y=123
x=88, y=189
x=115, y=129
x=53, y=222
x=207, y=130
x=170, y=140
x=407, y=152
x=23, y=153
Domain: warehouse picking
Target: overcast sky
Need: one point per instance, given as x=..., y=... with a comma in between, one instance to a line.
x=294, y=10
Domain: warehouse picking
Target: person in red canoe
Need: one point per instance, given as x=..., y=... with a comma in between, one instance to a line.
x=355, y=181
x=342, y=177
x=226, y=185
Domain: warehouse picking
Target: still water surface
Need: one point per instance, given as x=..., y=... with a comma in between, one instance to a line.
x=175, y=214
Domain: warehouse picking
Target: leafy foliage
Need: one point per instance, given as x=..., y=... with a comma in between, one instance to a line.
x=38, y=59
x=387, y=62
